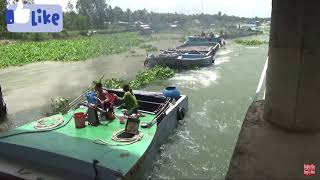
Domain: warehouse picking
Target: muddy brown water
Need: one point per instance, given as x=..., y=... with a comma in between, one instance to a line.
x=202, y=145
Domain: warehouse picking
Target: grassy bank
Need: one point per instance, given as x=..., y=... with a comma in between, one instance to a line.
x=250, y=42
x=66, y=50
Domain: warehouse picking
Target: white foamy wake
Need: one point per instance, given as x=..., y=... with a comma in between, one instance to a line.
x=196, y=79
x=222, y=60
x=224, y=52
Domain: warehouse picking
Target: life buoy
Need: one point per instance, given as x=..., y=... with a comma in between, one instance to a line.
x=181, y=113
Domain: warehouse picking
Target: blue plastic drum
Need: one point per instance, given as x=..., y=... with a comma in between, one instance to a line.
x=92, y=97
x=171, y=92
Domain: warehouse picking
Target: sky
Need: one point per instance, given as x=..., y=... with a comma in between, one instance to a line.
x=242, y=8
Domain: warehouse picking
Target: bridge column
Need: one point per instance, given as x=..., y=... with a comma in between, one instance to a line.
x=293, y=76
x=263, y=150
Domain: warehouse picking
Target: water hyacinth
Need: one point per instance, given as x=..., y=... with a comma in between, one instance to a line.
x=250, y=42
x=148, y=47
x=59, y=105
x=67, y=50
x=142, y=78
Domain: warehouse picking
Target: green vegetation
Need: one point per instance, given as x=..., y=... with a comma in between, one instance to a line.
x=250, y=42
x=59, y=105
x=141, y=79
x=83, y=15
x=61, y=35
x=148, y=47
x=66, y=50
x=144, y=78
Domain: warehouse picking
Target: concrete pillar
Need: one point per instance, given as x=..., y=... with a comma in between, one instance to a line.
x=293, y=75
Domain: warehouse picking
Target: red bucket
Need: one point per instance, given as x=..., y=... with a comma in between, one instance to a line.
x=80, y=119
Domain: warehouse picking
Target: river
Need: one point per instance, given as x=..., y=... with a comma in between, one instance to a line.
x=219, y=96
x=202, y=145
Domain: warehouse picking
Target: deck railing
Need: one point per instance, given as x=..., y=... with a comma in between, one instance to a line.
x=262, y=85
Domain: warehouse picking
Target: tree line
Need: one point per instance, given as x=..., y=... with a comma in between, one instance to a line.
x=98, y=14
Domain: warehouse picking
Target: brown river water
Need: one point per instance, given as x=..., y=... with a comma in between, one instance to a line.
x=202, y=145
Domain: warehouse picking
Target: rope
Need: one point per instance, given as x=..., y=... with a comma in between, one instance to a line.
x=42, y=126
x=129, y=141
x=39, y=131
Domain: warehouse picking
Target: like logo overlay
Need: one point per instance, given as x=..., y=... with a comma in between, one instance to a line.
x=34, y=18
x=19, y=16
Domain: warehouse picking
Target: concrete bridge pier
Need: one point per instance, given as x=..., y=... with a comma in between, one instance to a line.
x=281, y=134
x=293, y=75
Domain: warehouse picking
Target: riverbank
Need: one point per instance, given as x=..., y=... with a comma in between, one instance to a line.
x=67, y=50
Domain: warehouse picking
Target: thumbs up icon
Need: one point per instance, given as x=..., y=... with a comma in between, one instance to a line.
x=21, y=16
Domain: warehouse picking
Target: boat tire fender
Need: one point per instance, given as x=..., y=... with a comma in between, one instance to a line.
x=94, y=164
x=146, y=62
x=181, y=113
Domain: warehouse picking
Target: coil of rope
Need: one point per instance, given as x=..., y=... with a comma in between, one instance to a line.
x=129, y=141
x=41, y=130
x=41, y=123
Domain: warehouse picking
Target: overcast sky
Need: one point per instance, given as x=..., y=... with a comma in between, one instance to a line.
x=243, y=8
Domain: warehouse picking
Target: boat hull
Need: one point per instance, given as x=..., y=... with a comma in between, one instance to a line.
x=185, y=56
x=165, y=128
x=51, y=165
x=180, y=63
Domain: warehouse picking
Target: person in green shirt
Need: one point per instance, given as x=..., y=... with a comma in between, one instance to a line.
x=130, y=101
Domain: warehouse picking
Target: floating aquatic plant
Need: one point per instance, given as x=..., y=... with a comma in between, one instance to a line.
x=250, y=42
x=67, y=50
x=142, y=78
x=59, y=105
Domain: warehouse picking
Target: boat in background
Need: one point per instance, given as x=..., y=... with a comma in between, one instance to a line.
x=184, y=56
x=53, y=148
x=196, y=51
x=209, y=40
